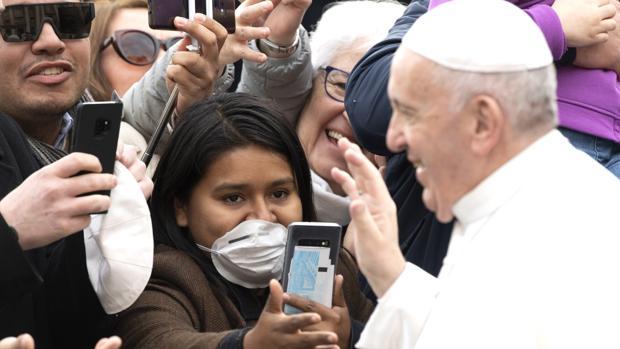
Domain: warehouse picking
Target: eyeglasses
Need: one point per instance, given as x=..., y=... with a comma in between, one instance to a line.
x=335, y=82
x=137, y=47
x=24, y=22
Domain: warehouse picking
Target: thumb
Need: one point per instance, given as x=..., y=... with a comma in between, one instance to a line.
x=276, y=298
x=338, y=299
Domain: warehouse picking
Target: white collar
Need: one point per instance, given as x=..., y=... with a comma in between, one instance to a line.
x=502, y=184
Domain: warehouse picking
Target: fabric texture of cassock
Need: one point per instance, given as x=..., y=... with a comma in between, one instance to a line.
x=532, y=263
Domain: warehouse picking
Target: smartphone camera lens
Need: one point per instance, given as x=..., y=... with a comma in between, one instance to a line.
x=102, y=126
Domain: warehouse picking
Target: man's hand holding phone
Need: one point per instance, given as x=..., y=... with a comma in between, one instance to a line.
x=335, y=319
x=47, y=206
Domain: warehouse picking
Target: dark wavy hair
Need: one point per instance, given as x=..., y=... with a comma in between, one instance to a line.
x=207, y=131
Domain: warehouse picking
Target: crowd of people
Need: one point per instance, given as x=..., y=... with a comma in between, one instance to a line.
x=470, y=149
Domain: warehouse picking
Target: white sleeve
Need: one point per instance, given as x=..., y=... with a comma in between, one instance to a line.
x=401, y=313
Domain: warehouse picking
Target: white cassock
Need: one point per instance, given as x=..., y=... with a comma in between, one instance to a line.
x=533, y=262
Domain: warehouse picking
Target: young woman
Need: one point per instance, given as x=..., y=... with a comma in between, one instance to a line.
x=233, y=168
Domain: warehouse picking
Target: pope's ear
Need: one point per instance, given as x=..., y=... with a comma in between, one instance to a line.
x=490, y=120
x=180, y=213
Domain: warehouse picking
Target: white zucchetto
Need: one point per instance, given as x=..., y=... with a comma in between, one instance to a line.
x=486, y=36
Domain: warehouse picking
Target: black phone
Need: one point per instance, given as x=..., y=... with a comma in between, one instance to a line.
x=310, y=261
x=162, y=12
x=96, y=130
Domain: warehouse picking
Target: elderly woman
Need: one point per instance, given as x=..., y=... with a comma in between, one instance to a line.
x=310, y=87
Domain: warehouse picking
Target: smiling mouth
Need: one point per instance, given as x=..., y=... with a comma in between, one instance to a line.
x=333, y=136
x=51, y=71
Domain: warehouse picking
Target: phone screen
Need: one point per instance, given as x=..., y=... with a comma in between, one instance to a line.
x=311, y=273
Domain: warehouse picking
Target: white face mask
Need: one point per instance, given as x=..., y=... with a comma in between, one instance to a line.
x=251, y=254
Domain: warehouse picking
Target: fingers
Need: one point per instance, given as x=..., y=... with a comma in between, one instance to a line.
x=253, y=12
x=129, y=158
x=88, y=183
x=74, y=163
x=306, y=305
x=607, y=11
x=113, y=342
x=608, y=25
x=293, y=323
x=338, y=298
x=364, y=223
x=24, y=341
x=250, y=33
x=314, y=339
x=346, y=182
x=367, y=177
x=196, y=28
x=275, y=300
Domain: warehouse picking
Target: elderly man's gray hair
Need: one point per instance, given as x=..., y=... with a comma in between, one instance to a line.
x=527, y=97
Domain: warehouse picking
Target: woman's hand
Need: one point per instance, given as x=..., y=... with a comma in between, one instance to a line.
x=275, y=329
x=195, y=74
x=249, y=17
x=285, y=19
x=335, y=319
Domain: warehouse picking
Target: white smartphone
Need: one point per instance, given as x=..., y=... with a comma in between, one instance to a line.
x=310, y=261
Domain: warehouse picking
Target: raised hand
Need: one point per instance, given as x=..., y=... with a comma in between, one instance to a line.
x=285, y=19
x=195, y=74
x=335, y=319
x=249, y=17
x=585, y=22
x=47, y=206
x=373, y=216
x=276, y=330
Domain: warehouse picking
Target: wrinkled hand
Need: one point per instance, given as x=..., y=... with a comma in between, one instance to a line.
x=128, y=156
x=195, y=74
x=47, y=207
x=275, y=329
x=23, y=341
x=285, y=19
x=605, y=55
x=247, y=15
x=373, y=213
x=585, y=22
x=335, y=319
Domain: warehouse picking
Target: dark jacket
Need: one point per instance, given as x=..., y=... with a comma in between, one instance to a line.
x=45, y=291
x=181, y=309
x=423, y=240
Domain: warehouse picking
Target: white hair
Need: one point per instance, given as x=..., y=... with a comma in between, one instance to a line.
x=351, y=25
x=527, y=97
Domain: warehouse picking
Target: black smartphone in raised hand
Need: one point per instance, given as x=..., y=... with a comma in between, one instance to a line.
x=163, y=12
x=96, y=130
x=310, y=261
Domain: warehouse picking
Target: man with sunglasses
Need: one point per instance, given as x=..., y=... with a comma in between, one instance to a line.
x=44, y=66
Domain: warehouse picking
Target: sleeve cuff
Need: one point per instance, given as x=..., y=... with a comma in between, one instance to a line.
x=549, y=22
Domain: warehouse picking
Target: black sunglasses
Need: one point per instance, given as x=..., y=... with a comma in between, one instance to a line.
x=137, y=47
x=70, y=20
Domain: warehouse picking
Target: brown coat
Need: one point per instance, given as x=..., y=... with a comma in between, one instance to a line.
x=178, y=308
